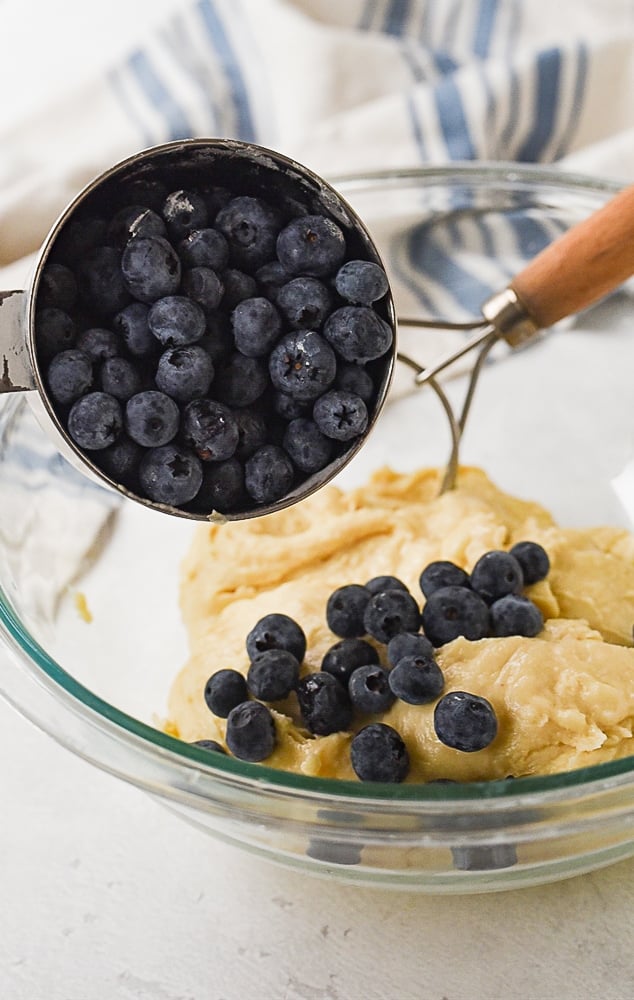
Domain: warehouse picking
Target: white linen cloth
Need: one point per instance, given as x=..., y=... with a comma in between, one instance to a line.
x=343, y=86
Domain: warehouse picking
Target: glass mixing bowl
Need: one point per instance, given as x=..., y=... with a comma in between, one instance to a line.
x=89, y=601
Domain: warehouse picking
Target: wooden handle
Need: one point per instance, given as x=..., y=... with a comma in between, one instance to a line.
x=583, y=265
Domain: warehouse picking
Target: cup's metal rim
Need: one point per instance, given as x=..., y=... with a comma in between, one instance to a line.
x=229, y=147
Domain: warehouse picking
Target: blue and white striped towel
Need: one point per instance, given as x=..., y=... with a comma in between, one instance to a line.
x=342, y=86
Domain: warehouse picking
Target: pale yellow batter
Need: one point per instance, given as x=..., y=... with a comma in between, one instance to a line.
x=564, y=699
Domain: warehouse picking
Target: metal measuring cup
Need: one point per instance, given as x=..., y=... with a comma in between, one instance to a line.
x=244, y=169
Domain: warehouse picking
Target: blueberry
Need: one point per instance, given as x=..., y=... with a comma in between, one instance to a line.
x=211, y=745
x=95, y=421
x=120, y=378
x=268, y=474
x=146, y=223
x=224, y=690
x=205, y=248
x=311, y=245
x=340, y=415
x=273, y=674
x=100, y=281
x=120, y=461
x=256, y=326
x=361, y=282
x=222, y=487
x=240, y=380
x=54, y=332
x=515, y=615
x=69, y=376
x=210, y=429
x=533, y=559
x=345, y=609
x=276, y=631
x=184, y=373
x=289, y=408
x=369, y=689
x=354, y=378
x=134, y=220
x=250, y=226
x=252, y=431
x=302, y=365
x=304, y=303
x=379, y=583
x=57, y=287
x=170, y=475
x=151, y=418
x=309, y=449
x=358, y=334
x=270, y=278
x=390, y=612
x=98, y=343
x=408, y=644
x=378, y=753
x=442, y=573
x=343, y=658
x=454, y=611
x=184, y=211
x=151, y=268
x=251, y=731
x=496, y=574
x=324, y=704
x=132, y=326
x=175, y=320
x=416, y=679
x=465, y=721
x=203, y=286
x=238, y=286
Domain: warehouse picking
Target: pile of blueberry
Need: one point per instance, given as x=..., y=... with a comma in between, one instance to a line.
x=488, y=602
x=209, y=349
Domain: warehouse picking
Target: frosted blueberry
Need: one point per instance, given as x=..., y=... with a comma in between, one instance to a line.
x=302, y=365
x=311, y=245
x=170, y=475
x=340, y=415
x=465, y=721
x=361, y=282
x=176, y=320
x=358, y=334
x=151, y=418
x=95, y=421
x=184, y=373
x=151, y=268
x=69, y=376
x=268, y=474
x=378, y=753
x=209, y=427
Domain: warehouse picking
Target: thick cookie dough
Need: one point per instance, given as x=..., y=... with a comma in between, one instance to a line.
x=564, y=699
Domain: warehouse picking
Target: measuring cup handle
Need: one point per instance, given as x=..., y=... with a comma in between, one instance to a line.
x=16, y=371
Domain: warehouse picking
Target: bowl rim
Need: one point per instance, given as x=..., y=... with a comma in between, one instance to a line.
x=106, y=716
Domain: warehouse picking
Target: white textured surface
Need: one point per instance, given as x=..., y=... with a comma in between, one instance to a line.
x=106, y=896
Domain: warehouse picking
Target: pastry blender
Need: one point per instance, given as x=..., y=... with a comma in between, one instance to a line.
x=575, y=271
